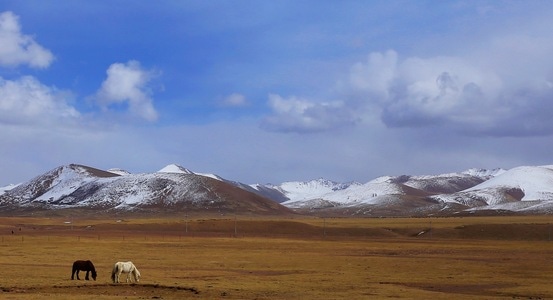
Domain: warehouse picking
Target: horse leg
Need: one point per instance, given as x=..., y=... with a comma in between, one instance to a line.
x=78, y=274
x=86, y=276
x=73, y=274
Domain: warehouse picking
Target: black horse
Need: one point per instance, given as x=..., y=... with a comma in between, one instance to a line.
x=83, y=265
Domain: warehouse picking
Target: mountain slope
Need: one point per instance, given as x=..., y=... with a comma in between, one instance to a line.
x=447, y=183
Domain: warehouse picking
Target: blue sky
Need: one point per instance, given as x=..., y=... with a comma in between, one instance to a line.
x=272, y=91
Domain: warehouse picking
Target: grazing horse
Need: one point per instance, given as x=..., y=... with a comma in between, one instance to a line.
x=124, y=267
x=83, y=265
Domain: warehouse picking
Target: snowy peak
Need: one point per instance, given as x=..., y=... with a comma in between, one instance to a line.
x=174, y=168
x=59, y=182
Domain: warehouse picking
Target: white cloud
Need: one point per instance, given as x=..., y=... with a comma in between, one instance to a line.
x=300, y=115
x=482, y=93
x=376, y=75
x=26, y=100
x=17, y=48
x=127, y=83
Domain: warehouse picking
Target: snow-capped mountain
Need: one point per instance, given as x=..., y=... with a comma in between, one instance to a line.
x=300, y=190
x=77, y=186
x=526, y=189
x=535, y=182
x=325, y=193
x=523, y=188
x=352, y=194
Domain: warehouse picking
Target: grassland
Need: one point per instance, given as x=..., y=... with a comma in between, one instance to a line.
x=293, y=258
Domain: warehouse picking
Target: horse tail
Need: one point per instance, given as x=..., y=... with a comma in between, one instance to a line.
x=115, y=267
x=73, y=270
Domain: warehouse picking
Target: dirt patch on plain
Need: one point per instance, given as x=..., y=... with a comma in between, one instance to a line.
x=150, y=291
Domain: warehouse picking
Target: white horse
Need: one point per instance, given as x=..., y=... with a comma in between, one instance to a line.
x=124, y=267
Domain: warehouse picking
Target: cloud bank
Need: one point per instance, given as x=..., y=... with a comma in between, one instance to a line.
x=502, y=89
x=455, y=92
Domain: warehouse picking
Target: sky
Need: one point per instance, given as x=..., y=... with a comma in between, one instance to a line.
x=275, y=91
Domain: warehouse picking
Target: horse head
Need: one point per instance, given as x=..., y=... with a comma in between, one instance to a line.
x=91, y=268
x=136, y=275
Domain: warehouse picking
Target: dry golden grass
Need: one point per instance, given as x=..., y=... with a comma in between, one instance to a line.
x=263, y=258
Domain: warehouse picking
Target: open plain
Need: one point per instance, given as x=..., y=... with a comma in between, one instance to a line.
x=238, y=257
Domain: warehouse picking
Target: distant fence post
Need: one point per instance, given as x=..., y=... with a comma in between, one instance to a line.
x=430, y=229
x=235, y=227
x=324, y=227
x=186, y=224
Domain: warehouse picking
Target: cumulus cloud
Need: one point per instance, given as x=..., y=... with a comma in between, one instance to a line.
x=17, y=48
x=26, y=100
x=375, y=76
x=294, y=114
x=128, y=84
x=436, y=90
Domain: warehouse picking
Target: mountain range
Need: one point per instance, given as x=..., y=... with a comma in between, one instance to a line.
x=177, y=190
